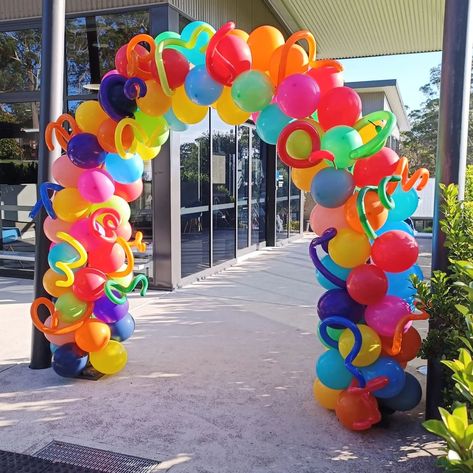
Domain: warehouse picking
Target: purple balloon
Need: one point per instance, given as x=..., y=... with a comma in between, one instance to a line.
x=109, y=312
x=337, y=302
x=85, y=151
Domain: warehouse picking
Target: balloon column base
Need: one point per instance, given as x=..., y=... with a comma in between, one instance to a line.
x=90, y=374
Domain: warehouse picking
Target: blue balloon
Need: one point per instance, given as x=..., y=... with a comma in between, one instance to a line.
x=123, y=328
x=405, y=204
x=331, y=370
x=173, y=122
x=69, y=360
x=85, y=151
x=400, y=284
x=126, y=170
x=336, y=270
x=391, y=225
x=332, y=187
x=386, y=366
x=61, y=252
x=270, y=123
x=408, y=398
x=200, y=87
x=194, y=55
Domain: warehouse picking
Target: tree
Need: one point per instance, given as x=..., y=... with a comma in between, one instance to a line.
x=419, y=144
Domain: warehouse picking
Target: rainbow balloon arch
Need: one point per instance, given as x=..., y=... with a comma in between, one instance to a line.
x=362, y=189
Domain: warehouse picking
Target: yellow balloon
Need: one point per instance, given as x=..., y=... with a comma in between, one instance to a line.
x=155, y=102
x=242, y=34
x=228, y=111
x=186, y=110
x=69, y=205
x=302, y=178
x=370, y=345
x=110, y=359
x=117, y=203
x=125, y=280
x=368, y=132
x=349, y=248
x=146, y=153
x=89, y=116
x=325, y=396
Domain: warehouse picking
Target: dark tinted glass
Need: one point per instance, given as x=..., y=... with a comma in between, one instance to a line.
x=258, y=190
x=295, y=208
x=243, y=184
x=282, y=201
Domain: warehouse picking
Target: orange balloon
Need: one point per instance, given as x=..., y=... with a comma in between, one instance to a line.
x=155, y=102
x=240, y=33
x=58, y=339
x=410, y=345
x=376, y=213
x=297, y=62
x=106, y=136
x=49, y=283
x=322, y=218
x=92, y=336
x=302, y=178
x=263, y=41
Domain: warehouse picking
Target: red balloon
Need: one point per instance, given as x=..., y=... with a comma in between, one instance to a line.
x=395, y=251
x=370, y=171
x=227, y=56
x=108, y=257
x=88, y=284
x=328, y=77
x=121, y=61
x=129, y=192
x=176, y=67
x=367, y=284
x=339, y=106
x=410, y=345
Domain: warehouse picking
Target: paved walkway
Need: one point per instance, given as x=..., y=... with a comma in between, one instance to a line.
x=219, y=380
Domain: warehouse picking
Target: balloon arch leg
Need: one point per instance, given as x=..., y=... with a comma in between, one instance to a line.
x=364, y=253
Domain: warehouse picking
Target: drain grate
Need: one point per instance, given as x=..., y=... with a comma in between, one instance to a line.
x=99, y=460
x=19, y=463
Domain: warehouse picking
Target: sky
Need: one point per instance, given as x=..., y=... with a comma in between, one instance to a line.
x=412, y=71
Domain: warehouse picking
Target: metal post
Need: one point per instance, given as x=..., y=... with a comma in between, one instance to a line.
x=51, y=106
x=452, y=143
x=268, y=153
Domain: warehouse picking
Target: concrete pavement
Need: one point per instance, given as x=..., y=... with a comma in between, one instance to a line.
x=219, y=379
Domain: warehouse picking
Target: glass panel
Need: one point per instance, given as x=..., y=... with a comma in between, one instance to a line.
x=258, y=190
x=282, y=201
x=243, y=184
x=195, y=198
x=91, y=44
x=223, y=188
x=295, y=204
x=19, y=137
x=20, y=54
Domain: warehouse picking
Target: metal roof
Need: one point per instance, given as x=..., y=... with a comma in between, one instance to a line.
x=360, y=28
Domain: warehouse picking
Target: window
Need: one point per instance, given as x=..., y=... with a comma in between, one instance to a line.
x=282, y=201
x=258, y=190
x=243, y=185
x=295, y=209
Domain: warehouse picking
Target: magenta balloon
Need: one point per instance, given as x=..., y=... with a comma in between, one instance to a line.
x=298, y=96
x=383, y=316
x=96, y=185
x=82, y=232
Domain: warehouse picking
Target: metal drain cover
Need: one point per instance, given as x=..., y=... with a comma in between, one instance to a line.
x=98, y=460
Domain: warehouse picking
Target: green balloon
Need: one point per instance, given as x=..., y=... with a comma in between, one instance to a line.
x=252, y=91
x=155, y=127
x=69, y=307
x=333, y=333
x=341, y=141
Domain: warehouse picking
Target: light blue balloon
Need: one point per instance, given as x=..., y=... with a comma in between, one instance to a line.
x=400, y=284
x=122, y=170
x=270, y=123
x=61, y=252
x=173, y=122
x=405, y=204
x=53, y=347
x=386, y=366
x=331, y=371
x=390, y=225
x=335, y=269
x=200, y=87
x=122, y=329
x=195, y=55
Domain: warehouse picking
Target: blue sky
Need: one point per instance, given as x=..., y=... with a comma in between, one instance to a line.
x=411, y=71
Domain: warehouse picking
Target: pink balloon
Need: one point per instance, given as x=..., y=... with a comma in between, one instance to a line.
x=52, y=226
x=322, y=218
x=125, y=231
x=59, y=339
x=110, y=73
x=383, y=316
x=254, y=116
x=298, y=95
x=65, y=172
x=96, y=185
x=82, y=232
x=129, y=192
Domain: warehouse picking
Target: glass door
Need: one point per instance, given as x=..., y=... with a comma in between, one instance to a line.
x=243, y=186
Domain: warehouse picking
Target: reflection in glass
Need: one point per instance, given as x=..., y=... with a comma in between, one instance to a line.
x=195, y=198
x=258, y=190
x=243, y=182
x=282, y=201
x=223, y=189
x=295, y=206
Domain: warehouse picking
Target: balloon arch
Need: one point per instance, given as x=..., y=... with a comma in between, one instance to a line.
x=362, y=190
